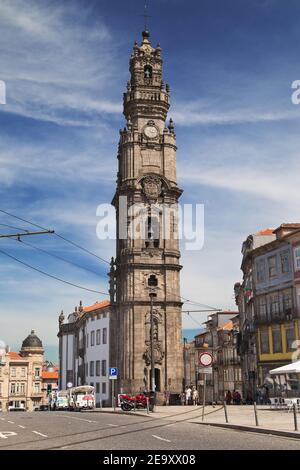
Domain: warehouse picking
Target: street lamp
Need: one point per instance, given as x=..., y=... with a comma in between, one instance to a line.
x=152, y=283
x=184, y=362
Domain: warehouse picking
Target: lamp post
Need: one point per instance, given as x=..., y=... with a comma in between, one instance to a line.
x=184, y=362
x=152, y=295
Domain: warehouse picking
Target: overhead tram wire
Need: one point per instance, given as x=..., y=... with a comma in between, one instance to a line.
x=58, y=257
x=57, y=234
x=14, y=228
x=93, y=254
x=51, y=275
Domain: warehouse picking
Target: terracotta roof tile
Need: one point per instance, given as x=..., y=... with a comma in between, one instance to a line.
x=15, y=356
x=49, y=375
x=265, y=231
x=97, y=306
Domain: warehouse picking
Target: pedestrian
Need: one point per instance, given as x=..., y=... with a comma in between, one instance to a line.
x=228, y=397
x=237, y=397
x=258, y=396
x=195, y=396
x=182, y=398
x=188, y=395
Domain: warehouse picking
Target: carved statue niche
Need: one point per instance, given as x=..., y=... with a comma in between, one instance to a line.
x=157, y=343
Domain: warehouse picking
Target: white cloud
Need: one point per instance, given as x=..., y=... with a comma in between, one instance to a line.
x=55, y=66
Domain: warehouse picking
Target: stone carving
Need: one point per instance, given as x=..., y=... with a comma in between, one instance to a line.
x=152, y=187
x=158, y=354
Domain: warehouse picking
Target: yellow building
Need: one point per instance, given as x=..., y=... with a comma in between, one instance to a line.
x=277, y=345
x=21, y=376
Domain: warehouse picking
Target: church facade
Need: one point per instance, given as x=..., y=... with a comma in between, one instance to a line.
x=147, y=249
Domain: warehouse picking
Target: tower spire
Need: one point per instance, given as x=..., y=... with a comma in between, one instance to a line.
x=146, y=16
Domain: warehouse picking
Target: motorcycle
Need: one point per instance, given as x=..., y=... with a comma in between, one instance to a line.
x=129, y=403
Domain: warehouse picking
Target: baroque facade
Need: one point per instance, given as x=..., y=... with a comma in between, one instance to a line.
x=147, y=187
x=21, y=376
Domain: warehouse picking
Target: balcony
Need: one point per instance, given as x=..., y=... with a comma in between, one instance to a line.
x=278, y=317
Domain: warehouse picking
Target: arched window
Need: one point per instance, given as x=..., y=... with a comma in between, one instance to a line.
x=152, y=281
x=152, y=232
x=147, y=71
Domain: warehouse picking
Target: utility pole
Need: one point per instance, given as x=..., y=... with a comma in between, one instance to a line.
x=184, y=362
x=19, y=235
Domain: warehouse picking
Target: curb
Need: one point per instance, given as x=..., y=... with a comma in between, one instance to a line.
x=119, y=412
x=238, y=427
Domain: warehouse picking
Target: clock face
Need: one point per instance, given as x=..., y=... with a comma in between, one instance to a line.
x=150, y=132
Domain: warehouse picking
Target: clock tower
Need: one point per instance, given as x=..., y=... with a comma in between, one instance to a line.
x=146, y=329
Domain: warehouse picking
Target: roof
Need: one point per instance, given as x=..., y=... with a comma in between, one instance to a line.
x=294, y=226
x=49, y=375
x=293, y=368
x=15, y=356
x=265, y=231
x=227, y=326
x=32, y=341
x=97, y=306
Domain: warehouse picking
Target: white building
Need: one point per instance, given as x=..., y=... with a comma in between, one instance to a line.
x=84, y=349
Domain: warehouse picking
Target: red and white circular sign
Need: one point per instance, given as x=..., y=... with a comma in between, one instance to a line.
x=205, y=359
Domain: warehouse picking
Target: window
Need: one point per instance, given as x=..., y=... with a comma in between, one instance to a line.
x=272, y=266
x=103, y=388
x=23, y=372
x=91, y=384
x=277, y=341
x=287, y=300
x=274, y=300
x=297, y=258
x=260, y=270
x=98, y=368
x=104, y=368
x=37, y=372
x=37, y=387
x=290, y=337
x=147, y=71
x=152, y=231
x=87, y=340
x=264, y=341
x=13, y=372
x=104, y=336
x=22, y=389
x=98, y=337
x=97, y=387
x=92, y=338
x=92, y=366
x=13, y=388
x=262, y=307
x=285, y=262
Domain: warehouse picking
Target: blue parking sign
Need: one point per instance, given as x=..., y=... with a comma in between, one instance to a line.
x=113, y=371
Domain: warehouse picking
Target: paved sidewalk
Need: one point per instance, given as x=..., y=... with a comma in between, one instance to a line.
x=278, y=422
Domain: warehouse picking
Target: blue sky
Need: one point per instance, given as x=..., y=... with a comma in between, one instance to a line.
x=230, y=65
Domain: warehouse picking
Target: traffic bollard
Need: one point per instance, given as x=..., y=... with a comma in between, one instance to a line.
x=255, y=414
x=295, y=416
x=147, y=400
x=225, y=411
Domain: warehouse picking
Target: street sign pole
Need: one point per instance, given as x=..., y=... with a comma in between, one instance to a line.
x=204, y=396
x=113, y=395
x=113, y=375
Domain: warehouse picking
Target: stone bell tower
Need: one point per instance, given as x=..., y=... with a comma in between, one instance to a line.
x=147, y=181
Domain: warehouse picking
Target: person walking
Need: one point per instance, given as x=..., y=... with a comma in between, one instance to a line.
x=188, y=395
x=195, y=396
x=228, y=397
